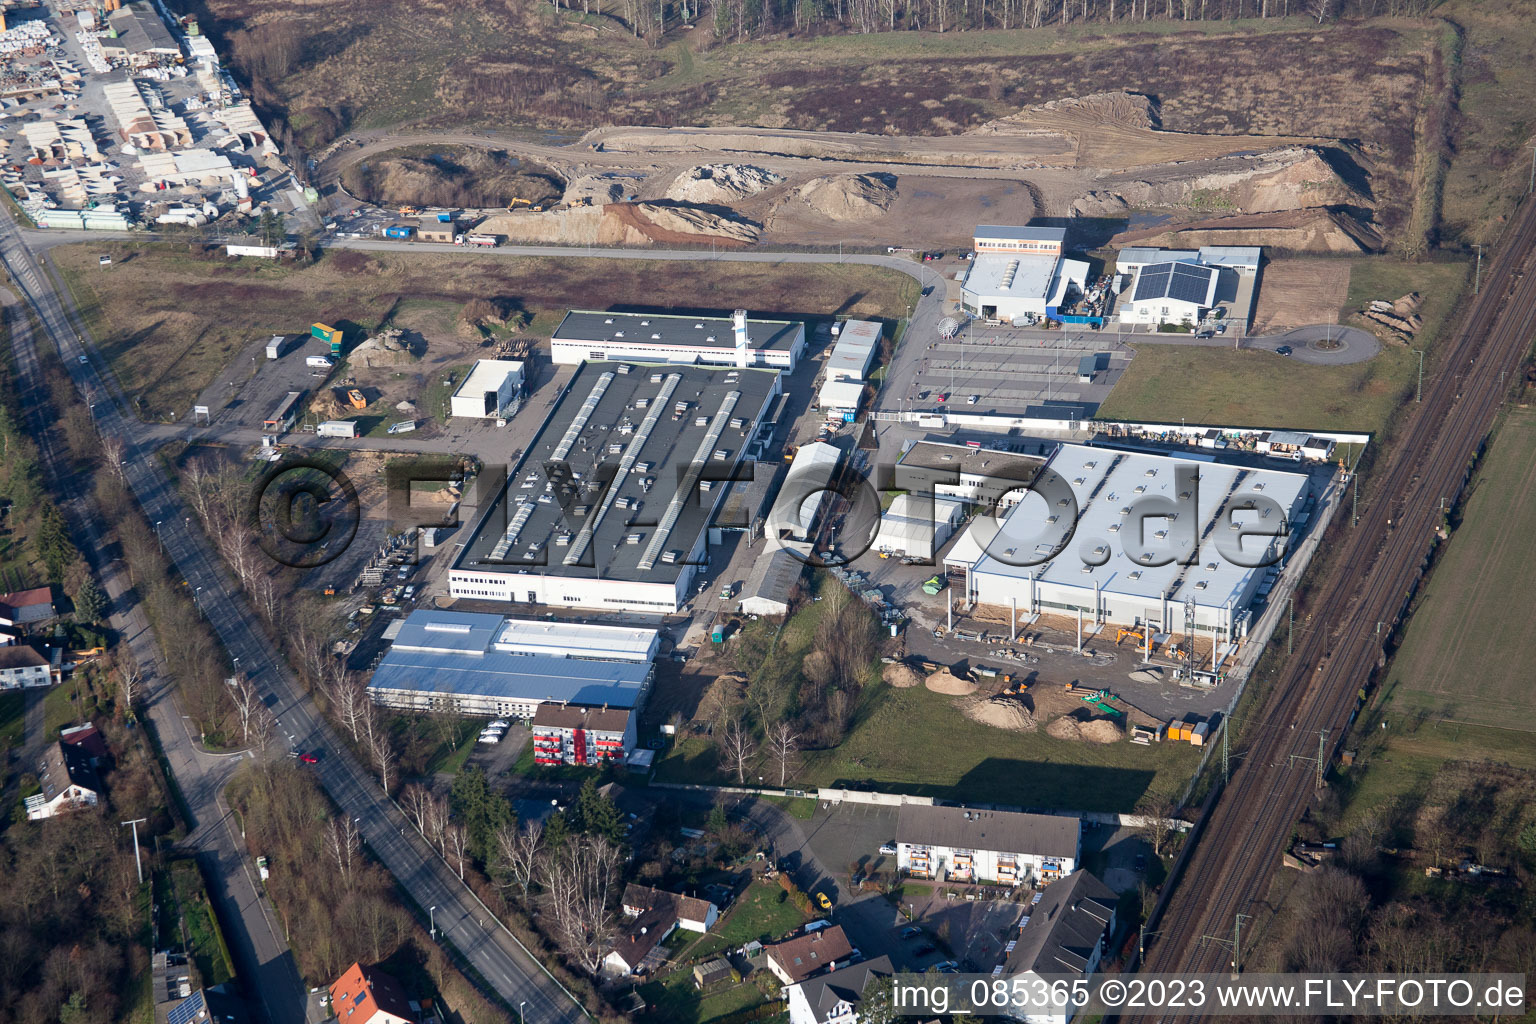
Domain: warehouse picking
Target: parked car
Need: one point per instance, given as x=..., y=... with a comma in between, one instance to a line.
x=823, y=902
x=888, y=848
x=1284, y=350
x=1141, y=862
x=911, y=932
x=973, y=400
x=85, y=359
x=925, y=950
x=947, y=967
x=310, y=757
x=929, y=257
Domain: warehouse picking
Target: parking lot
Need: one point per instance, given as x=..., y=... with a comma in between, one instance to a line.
x=1010, y=370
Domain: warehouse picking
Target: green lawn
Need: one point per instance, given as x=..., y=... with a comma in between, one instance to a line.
x=674, y=999
x=1466, y=655
x=60, y=711
x=763, y=913
x=1222, y=386
x=182, y=900
x=13, y=707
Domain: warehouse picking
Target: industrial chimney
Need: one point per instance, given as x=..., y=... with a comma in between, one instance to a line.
x=739, y=322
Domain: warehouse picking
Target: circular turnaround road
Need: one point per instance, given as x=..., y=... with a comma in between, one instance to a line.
x=1323, y=344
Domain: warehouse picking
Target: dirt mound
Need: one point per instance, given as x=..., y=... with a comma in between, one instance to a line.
x=1285, y=178
x=601, y=189
x=387, y=348
x=327, y=406
x=1126, y=109
x=1313, y=230
x=1148, y=675
x=944, y=681
x=903, y=677
x=1096, y=730
x=1100, y=204
x=721, y=183
x=850, y=196
x=1001, y=713
x=624, y=224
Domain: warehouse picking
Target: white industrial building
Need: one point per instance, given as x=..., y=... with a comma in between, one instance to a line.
x=771, y=585
x=1131, y=505
x=1019, y=274
x=917, y=529
x=958, y=844
x=974, y=473
x=491, y=389
x=858, y=342
x=586, y=335
x=841, y=398
x=1185, y=286
x=477, y=664
x=794, y=516
x=613, y=503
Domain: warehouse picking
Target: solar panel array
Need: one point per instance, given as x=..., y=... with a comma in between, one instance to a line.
x=188, y=1010
x=1188, y=282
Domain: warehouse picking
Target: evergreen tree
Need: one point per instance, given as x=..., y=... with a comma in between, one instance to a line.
x=90, y=602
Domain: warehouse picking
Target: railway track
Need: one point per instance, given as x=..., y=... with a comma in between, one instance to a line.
x=1380, y=561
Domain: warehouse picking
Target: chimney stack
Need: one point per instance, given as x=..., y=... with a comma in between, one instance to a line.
x=739, y=322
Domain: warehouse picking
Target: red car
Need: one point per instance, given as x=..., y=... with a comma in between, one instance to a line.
x=943, y=398
x=309, y=758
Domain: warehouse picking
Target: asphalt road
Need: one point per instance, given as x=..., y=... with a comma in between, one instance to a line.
x=489, y=948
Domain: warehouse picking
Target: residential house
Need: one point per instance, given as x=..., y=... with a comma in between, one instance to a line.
x=574, y=734
x=1065, y=935
x=816, y=952
x=653, y=914
x=834, y=998
x=366, y=995
x=23, y=665
x=68, y=779
x=25, y=607
x=959, y=844
x=693, y=914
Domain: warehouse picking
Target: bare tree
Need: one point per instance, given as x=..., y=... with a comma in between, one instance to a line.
x=112, y=451
x=519, y=849
x=436, y=817
x=1157, y=822
x=783, y=742
x=348, y=694
x=263, y=727
x=581, y=878
x=456, y=845
x=342, y=840
x=129, y=678
x=1320, y=9
x=238, y=550
x=415, y=798
x=246, y=699
x=380, y=749
x=737, y=744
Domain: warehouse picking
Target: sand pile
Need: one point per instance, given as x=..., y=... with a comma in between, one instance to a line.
x=665, y=223
x=327, y=406
x=721, y=183
x=1100, y=204
x=600, y=189
x=1312, y=230
x=624, y=224
x=1001, y=712
x=850, y=196
x=1096, y=730
x=901, y=676
x=1285, y=178
x=1148, y=675
x=1129, y=110
x=945, y=681
x=387, y=348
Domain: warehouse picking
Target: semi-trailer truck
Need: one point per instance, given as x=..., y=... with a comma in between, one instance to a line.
x=482, y=241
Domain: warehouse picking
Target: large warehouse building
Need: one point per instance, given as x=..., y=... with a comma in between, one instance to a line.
x=668, y=438
x=475, y=664
x=585, y=335
x=1184, y=286
x=1019, y=274
x=1108, y=486
x=973, y=473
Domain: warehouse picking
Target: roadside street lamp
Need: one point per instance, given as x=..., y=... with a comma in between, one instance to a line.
x=433, y=912
x=521, y=1017
x=158, y=539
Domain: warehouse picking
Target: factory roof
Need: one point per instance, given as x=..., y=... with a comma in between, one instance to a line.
x=593, y=326
x=561, y=638
x=841, y=394
x=856, y=346
x=487, y=375
x=493, y=673
x=972, y=542
x=994, y=472
x=140, y=30
x=1184, y=280
x=1019, y=275
x=1042, y=835
x=1065, y=927
x=1245, y=256
x=773, y=578
x=428, y=629
x=1007, y=232
x=1105, y=484
x=813, y=469
x=572, y=526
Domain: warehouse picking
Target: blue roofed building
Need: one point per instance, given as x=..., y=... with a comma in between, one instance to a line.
x=489, y=665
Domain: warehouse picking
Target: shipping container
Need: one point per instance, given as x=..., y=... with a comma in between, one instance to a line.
x=399, y=231
x=337, y=428
x=324, y=332
x=277, y=346
x=445, y=218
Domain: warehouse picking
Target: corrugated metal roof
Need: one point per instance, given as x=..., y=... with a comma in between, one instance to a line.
x=1008, y=232
x=564, y=639
x=580, y=325
x=429, y=629
x=513, y=676
x=856, y=346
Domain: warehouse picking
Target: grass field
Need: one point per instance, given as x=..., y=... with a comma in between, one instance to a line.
x=13, y=707
x=1467, y=652
x=1250, y=388
x=170, y=320
x=763, y=913
x=915, y=741
x=674, y=998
